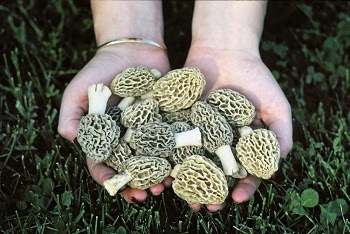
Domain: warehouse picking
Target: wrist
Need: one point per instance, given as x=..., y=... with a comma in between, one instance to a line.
x=127, y=19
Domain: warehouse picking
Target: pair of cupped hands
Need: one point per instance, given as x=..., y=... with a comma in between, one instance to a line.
x=242, y=71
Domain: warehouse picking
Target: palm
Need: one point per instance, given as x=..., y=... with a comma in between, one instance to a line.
x=248, y=75
x=102, y=68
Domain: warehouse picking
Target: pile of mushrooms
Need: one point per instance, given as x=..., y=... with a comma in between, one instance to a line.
x=167, y=131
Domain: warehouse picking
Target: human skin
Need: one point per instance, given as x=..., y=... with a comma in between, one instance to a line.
x=113, y=20
x=230, y=58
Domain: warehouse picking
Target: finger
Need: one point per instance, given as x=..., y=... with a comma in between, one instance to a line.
x=168, y=181
x=99, y=171
x=195, y=206
x=245, y=189
x=284, y=133
x=156, y=189
x=132, y=195
x=215, y=208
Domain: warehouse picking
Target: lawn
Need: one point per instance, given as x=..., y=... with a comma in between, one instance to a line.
x=45, y=186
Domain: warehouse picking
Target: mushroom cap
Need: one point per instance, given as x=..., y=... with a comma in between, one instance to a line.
x=140, y=113
x=179, y=154
x=235, y=107
x=215, y=130
x=98, y=134
x=179, y=89
x=199, y=180
x=133, y=81
x=114, y=112
x=119, y=154
x=146, y=171
x=178, y=116
x=259, y=153
x=154, y=139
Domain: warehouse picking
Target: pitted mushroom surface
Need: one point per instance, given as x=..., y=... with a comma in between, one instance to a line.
x=179, y=154
x=259, y=152
x=179, y=89
x=141, y=172
x=178, y=116
x=199, y=180
x=115, y=113
x=119, y=154
x=138, y=114
x=235, y=107
x=217, y=134
x=159, y=139
x=97, y=132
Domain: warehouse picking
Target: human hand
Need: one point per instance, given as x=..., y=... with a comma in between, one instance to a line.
x=244, y=71
x=102, y=68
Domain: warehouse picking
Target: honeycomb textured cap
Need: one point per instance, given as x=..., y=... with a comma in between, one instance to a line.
x=179, y=89
x=259, y=153
x=154, y=139
x=199, y=180
x=215, y=130
x=98, y=134
x=132, y=82
x=141, y=113
x=180, y=154
x=146, y=171
x=114, y=112
x=235, y=107
x=119, y=154
x=178, y=116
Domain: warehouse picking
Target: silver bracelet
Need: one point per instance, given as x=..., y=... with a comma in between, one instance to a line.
x=131, y=40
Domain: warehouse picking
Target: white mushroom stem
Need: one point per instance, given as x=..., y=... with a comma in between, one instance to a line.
x=191, y=137
x=149, y=94
x=242, y=172
x=156, y=73
x=245, y=130
x=127, y=135
x=115, y=183
x=98, y=96
x=126, y=102
x=228, y=161
x=175, y=170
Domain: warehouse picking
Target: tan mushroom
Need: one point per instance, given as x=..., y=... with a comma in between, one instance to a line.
x=178, y=155
x=217, y=134
x=141, y=172
x=114, y=112
x=97, y=132
x=178, y=116
x=139, y=114
x=199, y=180
x=133, y=82
x=179, y=89
x=119, y=154
x=235, y=107
x=258, y=151
x=158, y=139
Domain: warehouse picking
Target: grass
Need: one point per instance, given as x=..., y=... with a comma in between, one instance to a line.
x=44, y=183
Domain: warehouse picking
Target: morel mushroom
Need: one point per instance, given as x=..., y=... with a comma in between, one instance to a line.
x=235, y=107
x=119, y=154
x=199, y=180
x=159, y=139
x=132, y=82
x=141, y=172
x=114, y=112
x=178, y=116
x=138, y=114
x=258, y=151
x=97, y=132
x=179, y=89
x=179, y=154
x=217, y=134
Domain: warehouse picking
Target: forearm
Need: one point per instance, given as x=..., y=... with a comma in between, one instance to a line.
x=118, y=19
x=229, y=24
